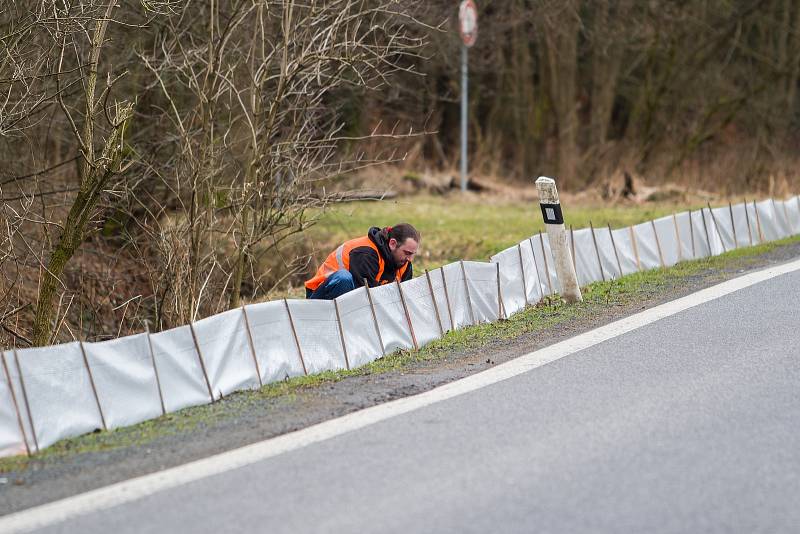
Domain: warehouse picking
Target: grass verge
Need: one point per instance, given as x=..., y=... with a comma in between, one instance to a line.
x=547, y=314
x=467, y=226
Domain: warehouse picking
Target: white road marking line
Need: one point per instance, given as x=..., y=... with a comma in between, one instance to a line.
x=137, y=488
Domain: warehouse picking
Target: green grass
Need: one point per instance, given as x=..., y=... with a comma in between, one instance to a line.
x=470, y=227
x=598, y=296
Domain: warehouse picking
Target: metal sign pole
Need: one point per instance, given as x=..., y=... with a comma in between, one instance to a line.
x=464, y=120
x=468, y=28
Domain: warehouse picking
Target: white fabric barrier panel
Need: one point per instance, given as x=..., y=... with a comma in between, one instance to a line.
x=16, y=385
x=60, y=394
x=702, y=234
x=546, y=266
x=273, y=341
x=482, y=286
x=721, y=219
x=456, y=289
x=754, y=224
x=792, y=207
x=782, y=214
x=714, y=233
x=608, y=259
x=318, y=333
x=532, y=282
x=646, y=243
x=767, y=217
x=684, y=236
x=424, y=317
x=587, y=267
x=667, y=239
x=125, y=378
x=442, y=299
x=627, y=256
x=360, y=328
x=223, y=342
x=391, y=318
x=513, y=283
x=12, y=442
x=745, y=235
x=183, y=383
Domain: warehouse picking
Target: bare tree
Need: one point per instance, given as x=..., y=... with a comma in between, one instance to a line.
x=97, y=124
x=251, y=88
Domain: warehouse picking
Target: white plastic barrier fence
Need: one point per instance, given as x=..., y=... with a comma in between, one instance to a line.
x=361, y=330
x=51, y=393
x=125, y=378
x=274, y=343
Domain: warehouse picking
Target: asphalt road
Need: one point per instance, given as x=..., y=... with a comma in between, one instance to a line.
x=689, y=424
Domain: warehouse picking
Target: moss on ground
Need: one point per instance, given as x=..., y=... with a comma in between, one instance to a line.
x=547, y=314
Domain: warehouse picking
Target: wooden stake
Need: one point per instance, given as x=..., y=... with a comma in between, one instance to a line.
x=546, y=267
x=747, y=218
x=635, y=248
x=91, y=383
x=466, y=288
x=691, y=234
x=155, y=371
x=202, y=363
x=296, y=339
x=536, y=267
x=522, y=271
x=597, y=252
x=572, y=245
x=616, y=253
x=25, y=398
x=252, y=346
x=758, y=223
x=16, y=406
x=677, y=236
x=500, y=296
x=374, y=317
x=658, y=245
x=341, y=334
x=716, y=226
x=447, y=300
x=733, y=225
x=408, y=315
x=435, y=306
x=705, y=229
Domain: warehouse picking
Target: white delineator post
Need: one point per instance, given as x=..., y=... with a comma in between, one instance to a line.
x=554, y=223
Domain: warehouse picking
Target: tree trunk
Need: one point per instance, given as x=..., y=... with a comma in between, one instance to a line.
x=606, y=61
x=561, y=42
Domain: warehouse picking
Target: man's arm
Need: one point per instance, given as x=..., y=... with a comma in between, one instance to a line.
x=364, y=264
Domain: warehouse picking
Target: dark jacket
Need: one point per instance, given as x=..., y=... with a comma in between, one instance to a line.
x=364, y=262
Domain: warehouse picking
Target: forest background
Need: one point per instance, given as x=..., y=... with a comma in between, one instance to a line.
x=164, y=160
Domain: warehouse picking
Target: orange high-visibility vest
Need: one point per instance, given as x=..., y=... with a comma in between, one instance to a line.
x=340, y=259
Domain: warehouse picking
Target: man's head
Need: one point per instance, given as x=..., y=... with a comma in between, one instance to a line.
x=403, y=240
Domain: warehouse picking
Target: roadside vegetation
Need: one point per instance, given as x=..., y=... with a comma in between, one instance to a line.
x=657, y=284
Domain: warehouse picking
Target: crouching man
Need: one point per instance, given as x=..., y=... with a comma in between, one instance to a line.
x=380, y=257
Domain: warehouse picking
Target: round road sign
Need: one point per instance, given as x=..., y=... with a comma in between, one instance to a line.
x=468, y=22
